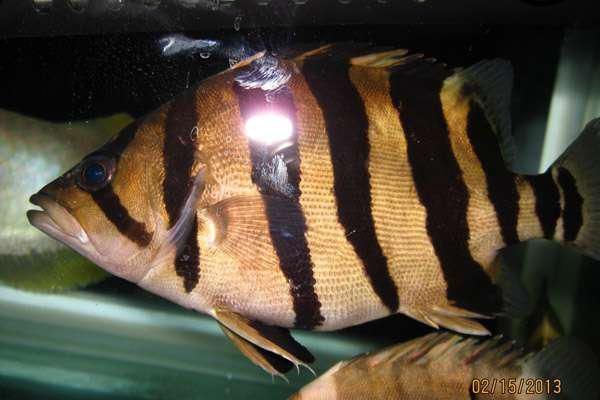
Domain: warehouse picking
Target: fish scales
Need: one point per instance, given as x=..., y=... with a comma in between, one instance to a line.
x=222, y=280
x=450, y=367
x=441, y=187
x=287, y=229
x=346, y=125
x=339, y=275
x=409, y=252
x=391, y=194
x=260, y=272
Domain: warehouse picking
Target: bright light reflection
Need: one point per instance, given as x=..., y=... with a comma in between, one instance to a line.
x=269, y=128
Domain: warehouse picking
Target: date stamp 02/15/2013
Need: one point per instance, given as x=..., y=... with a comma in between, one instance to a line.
x=533, y=386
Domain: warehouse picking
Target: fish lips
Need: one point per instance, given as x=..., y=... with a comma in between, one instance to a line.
x=55, y=221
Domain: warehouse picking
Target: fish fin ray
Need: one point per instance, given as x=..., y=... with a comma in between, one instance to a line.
x=268, y=361
x=360, y=54
x=242, y=228
x=422, y=350
x=320, y=50
x=493, y=81
x=175, y=239
x=421, y=317
x=452, y=311
x=247, y=61
x=384, y=59
x=583, y=164
x=273, y=339
x=461, y=324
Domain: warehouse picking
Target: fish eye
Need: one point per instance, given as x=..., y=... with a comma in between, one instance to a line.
x=96, y=172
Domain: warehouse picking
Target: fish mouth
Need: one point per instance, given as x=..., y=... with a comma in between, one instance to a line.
x=55, y=221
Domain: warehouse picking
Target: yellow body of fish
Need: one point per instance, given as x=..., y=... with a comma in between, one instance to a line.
x=389, y=194
x=450, y=367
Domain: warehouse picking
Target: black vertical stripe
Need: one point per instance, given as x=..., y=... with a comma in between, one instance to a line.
x=116, y=146
x=287, y=223
x=178, y=153
x=572, y=213
x=115, y=212
x=547, y=201
x=501, y=184
x=187, y=262
x=415, y=92
x=347, y=129
x=107, y=199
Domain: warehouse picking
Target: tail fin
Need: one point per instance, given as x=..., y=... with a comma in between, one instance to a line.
x=578, y=174
x=571, y=368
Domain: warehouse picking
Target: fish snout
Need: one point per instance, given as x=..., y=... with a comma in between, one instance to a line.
x=53, y=217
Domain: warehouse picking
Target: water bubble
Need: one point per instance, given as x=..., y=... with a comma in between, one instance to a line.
x=345, y=1
x=263, y=2
x=205, y=54
x=78, y=5
x=237, y=22
x=115, y=5
x=42, y=5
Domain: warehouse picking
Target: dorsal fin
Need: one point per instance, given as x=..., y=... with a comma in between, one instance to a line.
x=490, y=82
x=436, y=346
x=365, y=54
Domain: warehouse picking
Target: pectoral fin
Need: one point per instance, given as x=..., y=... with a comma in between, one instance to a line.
x=241, y=228
x=263, y=344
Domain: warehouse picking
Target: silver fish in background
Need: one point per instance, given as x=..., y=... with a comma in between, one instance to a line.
x=444, y=366
x=323, y=190
x=31, y=152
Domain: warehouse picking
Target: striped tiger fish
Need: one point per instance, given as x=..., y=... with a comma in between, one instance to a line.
x=444, y=366
x=320, y=190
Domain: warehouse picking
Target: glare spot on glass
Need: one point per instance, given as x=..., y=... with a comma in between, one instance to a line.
x=269, y=128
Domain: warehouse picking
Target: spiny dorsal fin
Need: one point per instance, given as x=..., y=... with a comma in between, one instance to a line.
x=491, y=82
x=363, y=54
x=366, y=55
x=438, y=346
x=384, y=59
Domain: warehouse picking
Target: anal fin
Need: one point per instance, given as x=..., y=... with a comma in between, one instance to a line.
x=451, y=317
x=263, y=344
